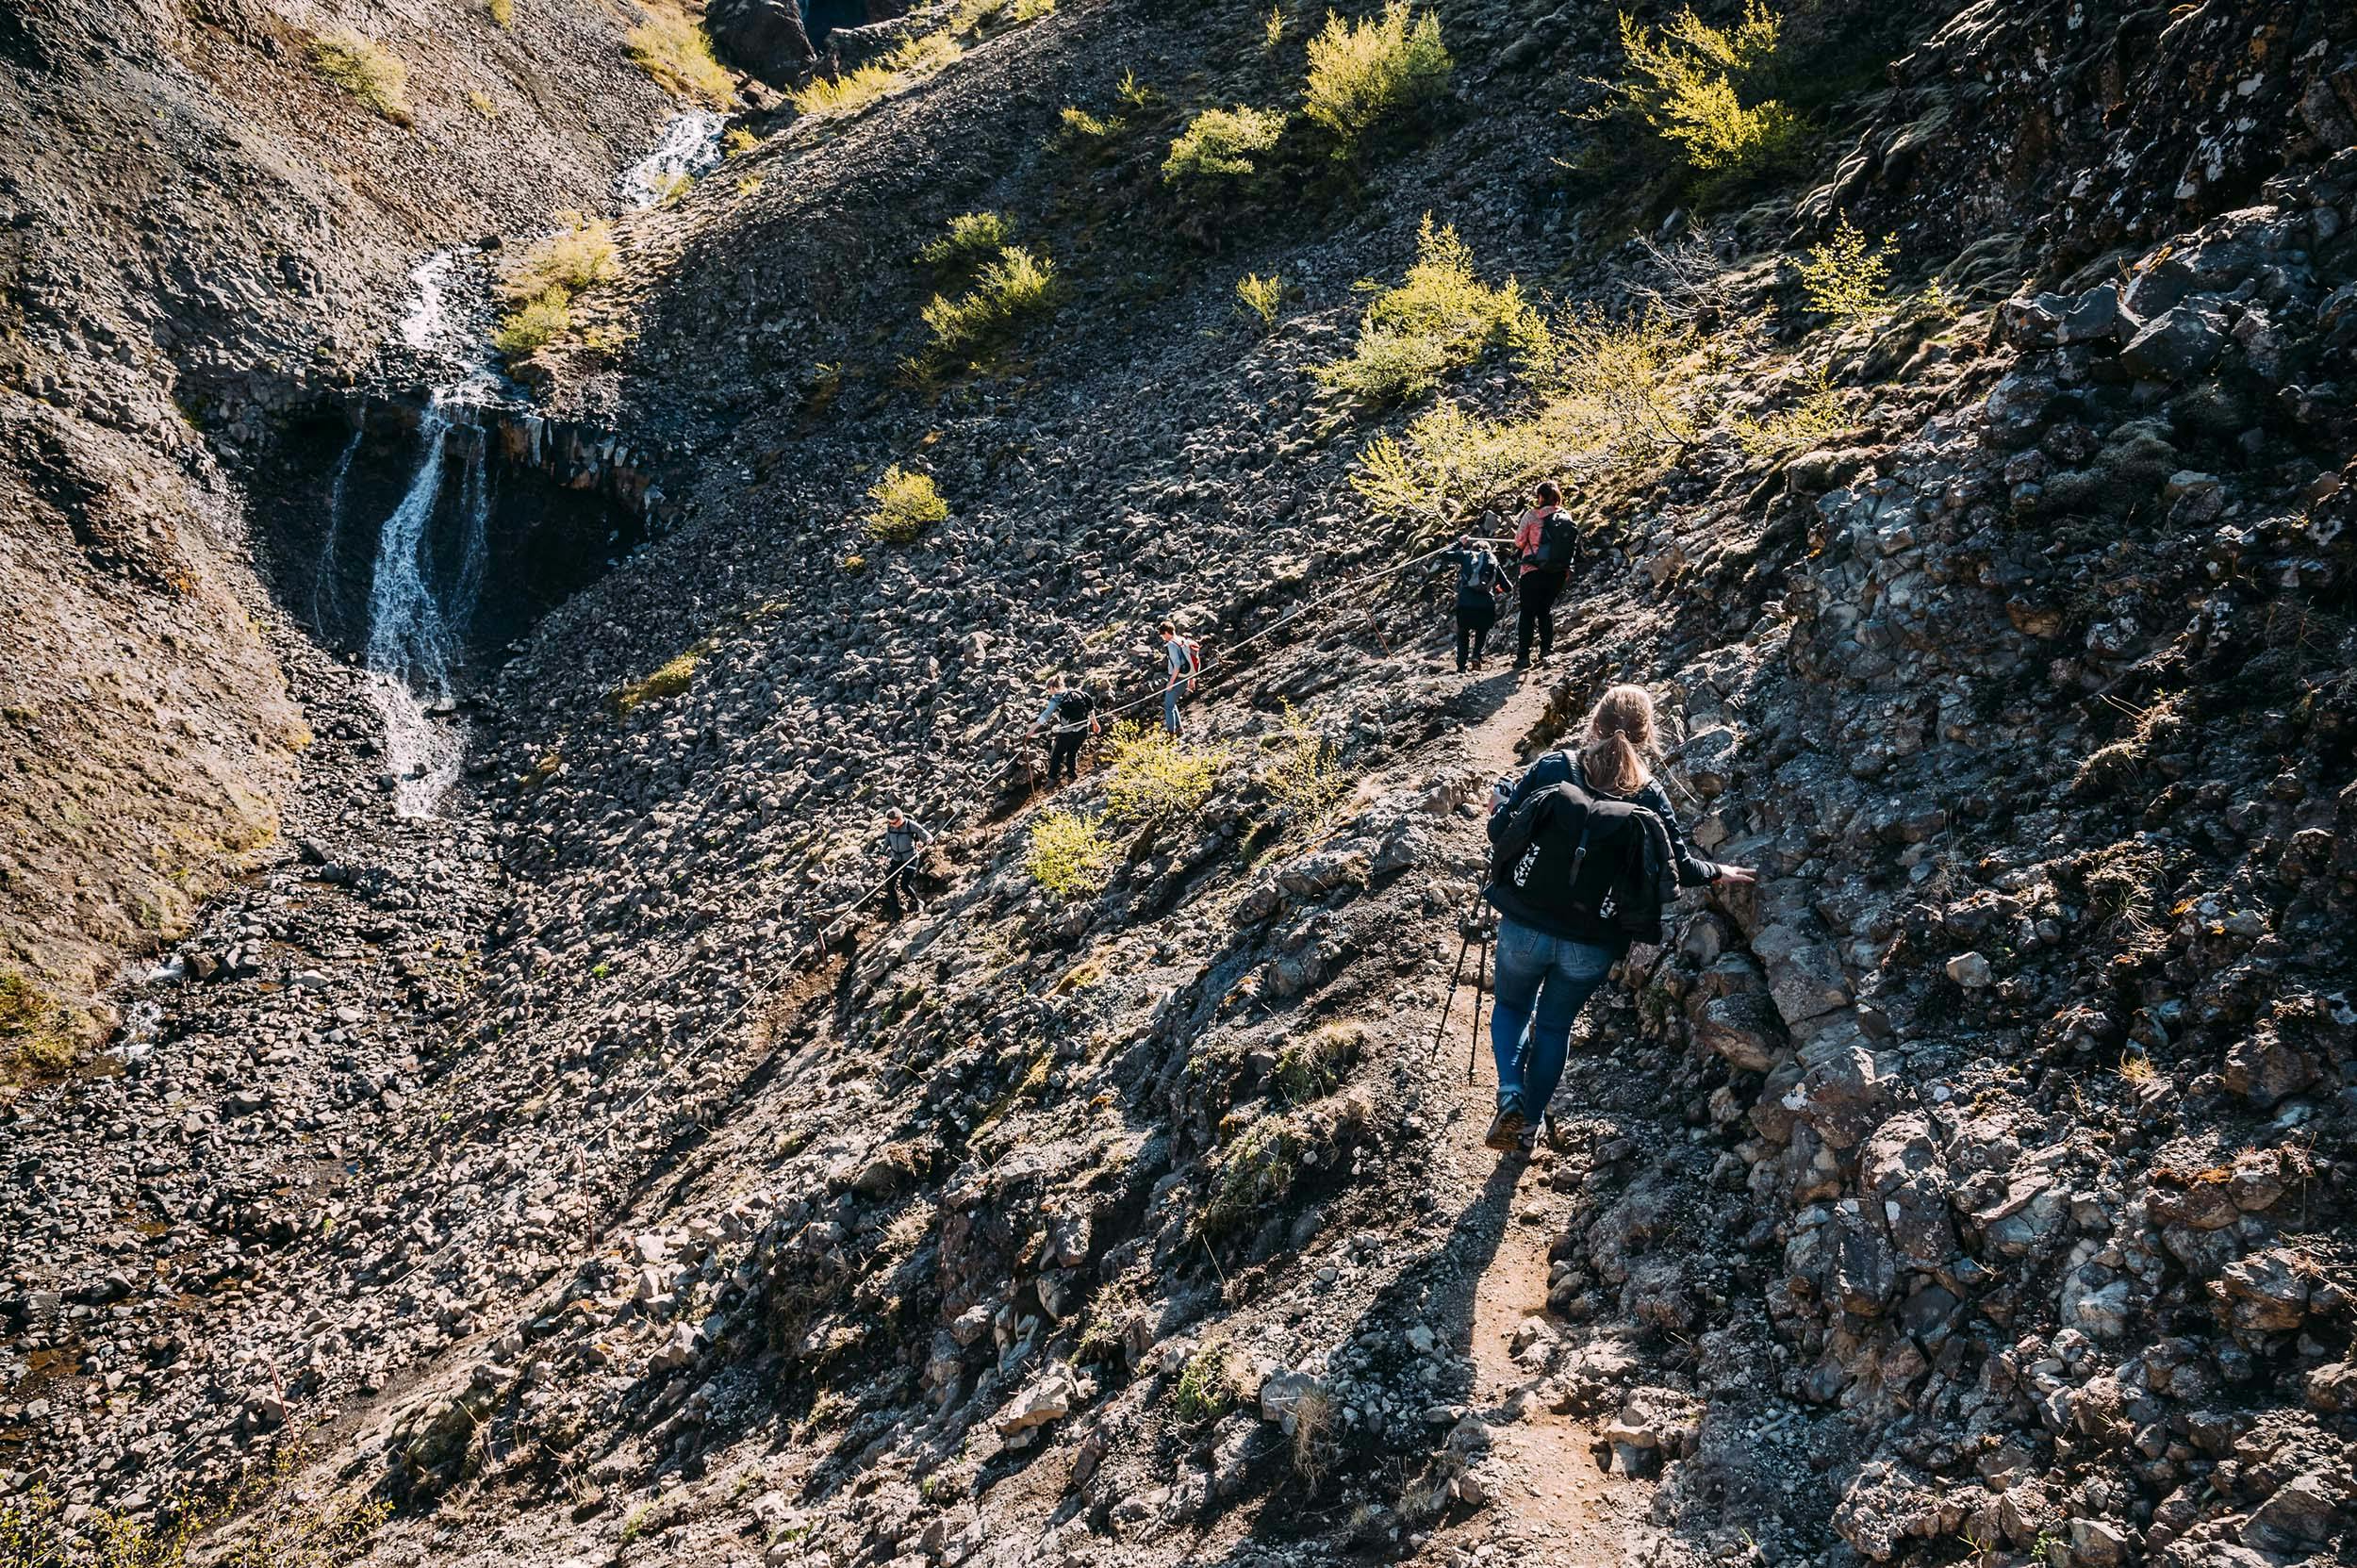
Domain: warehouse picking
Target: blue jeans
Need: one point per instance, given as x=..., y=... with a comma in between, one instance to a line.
x=1541, y=984
x=1170, y=704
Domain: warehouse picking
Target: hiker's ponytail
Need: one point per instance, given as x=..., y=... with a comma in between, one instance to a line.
x=1617, y=749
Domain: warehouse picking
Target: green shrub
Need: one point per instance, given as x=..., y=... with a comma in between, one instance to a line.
x=1257, y=1170
x=1205, y=1389
x=1363, y=73
x=1261, y=296
x=1152, y=773
x=1440, y=318
x=1306, y=777
x=1031, y=11
x=540, y=288
x=502, y=13
x=972, y=237
x=677, y=55
x=1221, y=143
x=912, y=61
x=527, y=326
x=668, y=680
x=906, y=504
x=1079, y=124
x=738, y=141
x=576, y=258
x=1688, y=85
x=1447, y=464
x=1847, y=279
x=366, y=70
x=1622, y=392
x=1823, y=413
x=483, y=103
x=1017, y=285
x=1310, y=1065
x=34, y=1033
x=1070, y=856
x=1273, y=28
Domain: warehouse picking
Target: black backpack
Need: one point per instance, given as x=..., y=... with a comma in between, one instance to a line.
x=1072, y=710
x=1559, y=540
x=1570, y=860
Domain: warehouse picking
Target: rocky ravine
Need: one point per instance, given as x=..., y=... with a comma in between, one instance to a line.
x=1969, y=1190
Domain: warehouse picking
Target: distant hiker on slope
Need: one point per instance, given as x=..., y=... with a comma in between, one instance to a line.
x=1183, y=661
x=1480, y=584
x=1545, y=540
x=1586, y=852
x=1071, y=718
x=902, y=836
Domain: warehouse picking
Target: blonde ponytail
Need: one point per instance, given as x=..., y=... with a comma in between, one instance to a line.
x=1617, y=749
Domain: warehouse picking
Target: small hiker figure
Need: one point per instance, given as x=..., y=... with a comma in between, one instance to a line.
x=1184, y=661
x=1071, y=718
x=902, y=837
x=1545, y=537
x=1586, y=853
x=1480, y=584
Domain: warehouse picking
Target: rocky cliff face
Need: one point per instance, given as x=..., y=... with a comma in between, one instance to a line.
x=595, y=1178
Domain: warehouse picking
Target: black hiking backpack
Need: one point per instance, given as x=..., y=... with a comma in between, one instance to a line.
x=1574, y=864
x=1559, y=540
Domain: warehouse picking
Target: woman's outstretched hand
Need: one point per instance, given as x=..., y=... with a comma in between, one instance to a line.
x=1740, y=875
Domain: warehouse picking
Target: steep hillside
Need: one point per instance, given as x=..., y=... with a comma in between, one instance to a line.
x=593, y=1174
x=205, y=231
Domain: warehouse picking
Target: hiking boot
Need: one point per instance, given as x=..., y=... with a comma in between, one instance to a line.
x=1522, y=664
x=1506, y=1129
x=1544, y=1126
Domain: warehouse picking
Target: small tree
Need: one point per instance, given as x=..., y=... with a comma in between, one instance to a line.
x=1688, y=85
x=1261, y=296
x=1847, y=279
x=1363, y=73
x=906, y=504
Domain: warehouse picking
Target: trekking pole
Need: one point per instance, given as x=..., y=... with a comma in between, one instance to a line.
x=1450, y=999
x=1473, y=1045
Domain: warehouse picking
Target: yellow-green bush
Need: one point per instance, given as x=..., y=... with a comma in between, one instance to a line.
x=34, y=1035
x=855, y=90
x=1847, y=278
x=1620, y=391
x=1447, y=464
x=1273, y=28
x=1258, y=1170
x=905, y=505
x=502, y=11
x=540, y=288
x=1689, y=84
x=677, y=55
x=1152, y=773
x=668, y=679
x=971, y=238
x=1070, y=856
x=1441, y=317
x=1823, y=413
x=527, y=326
x=1363, y=73
x=367, y=70
x=1305, y=776
x=738, y=141
x=1015, y=286
x=1079, y=124
x=1221, y=143
x=1261, y=296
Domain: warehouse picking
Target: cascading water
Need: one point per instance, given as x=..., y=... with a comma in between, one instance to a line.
x=690, y=146
x=323, y=595
x=415, y=623
x=422, y=598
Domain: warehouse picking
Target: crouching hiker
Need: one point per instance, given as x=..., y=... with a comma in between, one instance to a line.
x=1585, y=852
x=1480, y=584
x=1071, y=718
x=903, y=835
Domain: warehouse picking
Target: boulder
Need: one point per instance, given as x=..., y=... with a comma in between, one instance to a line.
x=763, y=37
x=2182, y=341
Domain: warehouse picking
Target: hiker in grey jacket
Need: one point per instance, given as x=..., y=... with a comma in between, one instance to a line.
x=903, y=835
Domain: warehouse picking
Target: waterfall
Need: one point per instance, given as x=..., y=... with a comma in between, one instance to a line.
x=325, y=597
x=418, y=614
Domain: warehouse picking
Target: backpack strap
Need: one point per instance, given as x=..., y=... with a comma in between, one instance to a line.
x=1579, y=850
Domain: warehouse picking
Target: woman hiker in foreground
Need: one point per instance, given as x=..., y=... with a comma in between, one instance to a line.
x=1587, y=852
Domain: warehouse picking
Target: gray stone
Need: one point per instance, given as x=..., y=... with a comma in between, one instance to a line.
x=2182, y=341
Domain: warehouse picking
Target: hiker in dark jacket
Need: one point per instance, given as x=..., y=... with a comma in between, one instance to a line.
x=1544, y=538
x=1071, y=718
x=1545, y=977
x=903, y=835
x=1480, y=584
